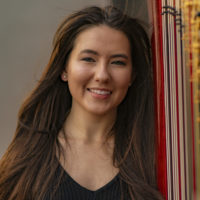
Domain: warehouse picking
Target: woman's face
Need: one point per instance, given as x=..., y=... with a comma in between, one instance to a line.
x=99, y=70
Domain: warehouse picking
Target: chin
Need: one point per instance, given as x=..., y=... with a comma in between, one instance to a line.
x=101, y=111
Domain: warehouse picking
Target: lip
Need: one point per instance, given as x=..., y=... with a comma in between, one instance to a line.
x=100, y=89
x=100, y=93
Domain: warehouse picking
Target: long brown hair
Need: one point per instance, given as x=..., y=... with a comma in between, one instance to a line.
x=29, y=164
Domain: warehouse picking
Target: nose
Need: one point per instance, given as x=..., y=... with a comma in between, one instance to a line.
x=102, y=73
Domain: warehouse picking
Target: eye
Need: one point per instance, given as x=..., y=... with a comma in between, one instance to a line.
x=88, y=59
x=118, y=62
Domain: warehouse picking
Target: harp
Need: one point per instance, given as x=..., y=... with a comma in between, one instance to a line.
x=176, y=53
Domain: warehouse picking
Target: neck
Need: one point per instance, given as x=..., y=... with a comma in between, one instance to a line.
x=88, y=127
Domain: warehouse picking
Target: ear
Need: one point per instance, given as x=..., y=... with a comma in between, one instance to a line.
x=64, y=76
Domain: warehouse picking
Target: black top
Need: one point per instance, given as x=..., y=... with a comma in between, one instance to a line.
x=69, y=189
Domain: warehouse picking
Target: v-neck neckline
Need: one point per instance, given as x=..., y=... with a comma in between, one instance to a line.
x=104, y=187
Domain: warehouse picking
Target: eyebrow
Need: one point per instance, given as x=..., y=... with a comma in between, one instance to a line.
x=89, y=51
x=119, y=55
x=96, y=53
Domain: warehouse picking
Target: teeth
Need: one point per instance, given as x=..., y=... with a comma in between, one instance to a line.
x=102, y=92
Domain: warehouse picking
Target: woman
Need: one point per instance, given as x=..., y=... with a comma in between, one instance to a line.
x=86, y=131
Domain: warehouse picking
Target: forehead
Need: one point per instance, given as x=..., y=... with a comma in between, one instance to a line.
x=102, y=39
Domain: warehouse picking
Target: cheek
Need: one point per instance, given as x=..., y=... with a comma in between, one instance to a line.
x=123, y=80
x=78, y=76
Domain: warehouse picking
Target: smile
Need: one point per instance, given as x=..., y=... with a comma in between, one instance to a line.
x=100, y=91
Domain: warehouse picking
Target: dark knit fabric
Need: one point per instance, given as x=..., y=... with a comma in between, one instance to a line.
x=69, y=189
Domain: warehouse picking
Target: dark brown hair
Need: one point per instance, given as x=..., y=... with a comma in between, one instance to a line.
x=29, y=164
